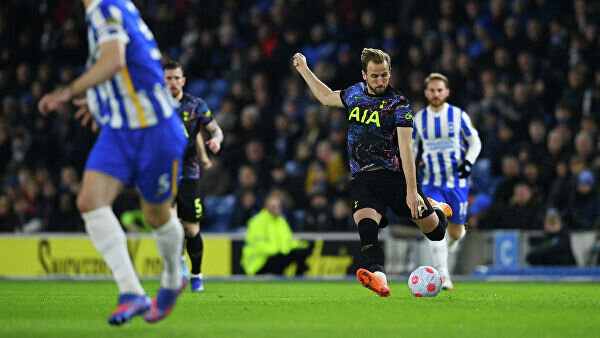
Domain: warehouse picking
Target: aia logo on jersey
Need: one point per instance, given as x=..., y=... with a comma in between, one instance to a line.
x=373, y=117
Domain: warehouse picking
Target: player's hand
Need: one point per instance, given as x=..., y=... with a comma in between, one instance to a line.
x=415, y=204
x=464, y=169
x=51, y=101
x=299, y=61
x=84, y=114
x=213, y=145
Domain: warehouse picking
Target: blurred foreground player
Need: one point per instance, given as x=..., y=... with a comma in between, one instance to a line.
x=381, y=160
x=195, y=114
x=141, y=143
x=447, y=144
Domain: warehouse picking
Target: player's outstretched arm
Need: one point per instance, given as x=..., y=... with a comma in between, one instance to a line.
x=112, y=59
x=325, y=95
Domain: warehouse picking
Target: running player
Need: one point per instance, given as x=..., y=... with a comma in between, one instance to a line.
x=141, y=143
x=195, y=115
x=441, y=131
x=381, y=161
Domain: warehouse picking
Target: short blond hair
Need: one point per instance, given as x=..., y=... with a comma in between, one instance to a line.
x=436, y=76
x=376, y=55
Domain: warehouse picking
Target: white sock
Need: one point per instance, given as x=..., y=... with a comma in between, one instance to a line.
x=381, y=276
x=439, y=255
x=453, y=243
x=196, y=276
x=169, y=241
x=109, y=239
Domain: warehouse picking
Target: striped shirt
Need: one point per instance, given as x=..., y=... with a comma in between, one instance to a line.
x=446, y=138
x=135, y=97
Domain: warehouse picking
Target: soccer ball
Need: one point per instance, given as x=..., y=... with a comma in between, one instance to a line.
x=425, y=281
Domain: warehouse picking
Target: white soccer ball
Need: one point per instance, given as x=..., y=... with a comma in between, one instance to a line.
x=425, y=281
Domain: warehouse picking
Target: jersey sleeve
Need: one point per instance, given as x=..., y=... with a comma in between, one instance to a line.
x=471, y=136
x=107, y=21
x=204, y=113
x=403, y=114
x=347, y=95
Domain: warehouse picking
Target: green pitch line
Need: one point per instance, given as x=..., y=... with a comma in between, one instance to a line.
x=308, y=309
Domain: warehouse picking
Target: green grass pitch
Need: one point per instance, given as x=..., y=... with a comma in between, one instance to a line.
x=308, y=309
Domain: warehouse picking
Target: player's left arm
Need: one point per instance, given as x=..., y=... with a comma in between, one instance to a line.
x=472, y=137
x=413, y=200
x=201, y=151
x=112, y=59
x=216, y=136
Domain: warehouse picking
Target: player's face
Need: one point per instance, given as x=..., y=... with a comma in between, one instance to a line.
x=436, y=93
x=175, y=80
x=377, y=77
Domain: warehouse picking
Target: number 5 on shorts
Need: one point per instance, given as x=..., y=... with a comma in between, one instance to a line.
x=198, y=205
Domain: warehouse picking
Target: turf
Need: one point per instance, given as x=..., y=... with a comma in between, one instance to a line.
x=305, y=308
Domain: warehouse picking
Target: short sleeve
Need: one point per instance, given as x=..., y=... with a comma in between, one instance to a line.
x=403, y=114
x=107, y=21
x=204, y=113
x=344, y=96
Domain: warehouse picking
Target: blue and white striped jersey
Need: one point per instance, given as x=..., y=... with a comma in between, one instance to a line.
x=135, y=97
x=446, y=138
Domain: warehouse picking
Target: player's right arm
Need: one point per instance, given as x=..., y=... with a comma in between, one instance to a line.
x=111, y=60
x=325, y=95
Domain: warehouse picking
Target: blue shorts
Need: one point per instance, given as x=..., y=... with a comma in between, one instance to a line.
x=457, y=198
x=149, y=158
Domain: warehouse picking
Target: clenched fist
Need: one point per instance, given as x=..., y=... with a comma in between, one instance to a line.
x=299, y=61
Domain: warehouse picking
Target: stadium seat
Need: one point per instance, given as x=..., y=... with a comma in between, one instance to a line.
x=219, y=87
x=198, y=87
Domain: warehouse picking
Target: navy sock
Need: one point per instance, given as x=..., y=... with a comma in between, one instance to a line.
x=195, y=248
x=439, y=232
x=371, y=249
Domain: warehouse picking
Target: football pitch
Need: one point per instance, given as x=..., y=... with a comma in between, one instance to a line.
x=308, y=309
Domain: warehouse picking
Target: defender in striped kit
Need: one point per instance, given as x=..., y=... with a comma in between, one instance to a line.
x=446, y=145
x=141, y=144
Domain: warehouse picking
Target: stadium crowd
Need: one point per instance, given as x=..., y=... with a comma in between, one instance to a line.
x=525, y=70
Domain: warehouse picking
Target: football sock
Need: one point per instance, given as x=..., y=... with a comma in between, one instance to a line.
x=381, y=276
x=109, y=239
x=439, y=255
x=169, y=239
x=453, y=243
x=195, y=248
x=439, y=232
x=370, y=247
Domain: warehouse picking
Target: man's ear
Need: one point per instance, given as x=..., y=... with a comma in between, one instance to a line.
x=364, y=75
x=183, y=79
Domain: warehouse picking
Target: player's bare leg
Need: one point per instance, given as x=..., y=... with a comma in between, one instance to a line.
x=168, y=233
x=373, y=278
x=98, y=191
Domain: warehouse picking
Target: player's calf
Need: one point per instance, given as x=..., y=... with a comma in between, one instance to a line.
x=439, y=232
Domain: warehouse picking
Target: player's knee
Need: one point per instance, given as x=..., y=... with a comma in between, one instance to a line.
x=157, y=216
x=85, y=203
x=439, y=232
x=191, y=229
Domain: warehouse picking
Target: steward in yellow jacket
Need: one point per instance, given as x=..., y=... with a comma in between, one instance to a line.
x=270, y=247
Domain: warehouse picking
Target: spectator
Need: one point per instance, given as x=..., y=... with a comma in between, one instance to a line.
x=556, y=247
x=583, y=212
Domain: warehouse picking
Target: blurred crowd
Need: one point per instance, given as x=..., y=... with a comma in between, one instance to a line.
x=526, y=71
